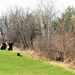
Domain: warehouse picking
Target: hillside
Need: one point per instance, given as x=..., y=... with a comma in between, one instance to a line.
x=11, y=64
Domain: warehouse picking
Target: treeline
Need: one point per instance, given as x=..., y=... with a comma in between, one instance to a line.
x=19, y=26
x=56, y=35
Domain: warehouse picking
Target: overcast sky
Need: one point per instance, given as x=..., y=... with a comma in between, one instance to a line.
x=6, y=4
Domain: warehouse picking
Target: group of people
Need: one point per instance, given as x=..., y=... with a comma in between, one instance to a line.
x=4, y=46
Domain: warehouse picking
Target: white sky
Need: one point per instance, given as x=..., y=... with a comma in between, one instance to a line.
x=6, y=4
x=62, y=4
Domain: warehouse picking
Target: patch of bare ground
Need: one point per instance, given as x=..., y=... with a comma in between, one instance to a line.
x=15, y=49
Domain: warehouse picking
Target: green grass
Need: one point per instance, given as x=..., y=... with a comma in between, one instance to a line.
x=11, y=64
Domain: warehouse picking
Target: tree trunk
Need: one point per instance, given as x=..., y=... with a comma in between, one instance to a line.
x=42, y=26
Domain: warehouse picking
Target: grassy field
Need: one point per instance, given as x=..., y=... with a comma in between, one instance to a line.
x=11, y=64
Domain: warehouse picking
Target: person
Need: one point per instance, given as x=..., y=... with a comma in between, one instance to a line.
x=3, y=47
x=10, y=45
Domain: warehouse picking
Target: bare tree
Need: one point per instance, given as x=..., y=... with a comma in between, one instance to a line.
x=18, y=26
x=3, y=26
x=40, y=9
